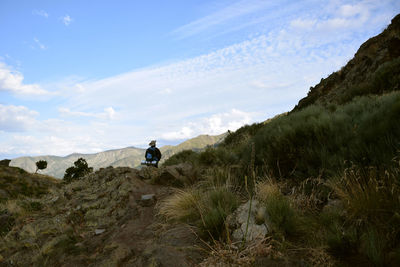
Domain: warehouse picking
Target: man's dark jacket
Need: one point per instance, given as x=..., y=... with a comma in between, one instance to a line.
x=156, y=154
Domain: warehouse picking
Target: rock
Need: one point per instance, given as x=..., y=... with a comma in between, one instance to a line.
x=99, y=231
x=148, y=173
x=148, y=200
x=170, y=176
x=256, y=227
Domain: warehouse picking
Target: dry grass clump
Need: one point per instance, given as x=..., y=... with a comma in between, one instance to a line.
x=205, y=207
x=183, y=205
x=371, y=200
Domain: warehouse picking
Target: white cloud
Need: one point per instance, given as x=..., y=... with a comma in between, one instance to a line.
x=242, y=82
x=67, y=20
x=13, y=81
x=39, y=44
x=233, y=11
x=16, y=118
x=41, y=13
x=108, y=113
x=213, y=125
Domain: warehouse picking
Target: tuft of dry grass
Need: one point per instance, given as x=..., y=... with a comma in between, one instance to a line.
x=267, y=190
x=372, y=204
x=369, y=195
x=183, y=205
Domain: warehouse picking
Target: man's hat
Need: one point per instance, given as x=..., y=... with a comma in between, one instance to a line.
x=152, y=143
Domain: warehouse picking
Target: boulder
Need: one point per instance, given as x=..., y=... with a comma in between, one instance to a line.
x=256, y=226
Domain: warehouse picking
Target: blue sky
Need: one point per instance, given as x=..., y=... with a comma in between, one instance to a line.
x=87, y=76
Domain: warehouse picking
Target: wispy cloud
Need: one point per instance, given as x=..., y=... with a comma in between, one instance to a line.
x=67, y=20
x=41, y=13
x=108, y=113
x=245, y=81
x=39, y=44
x=12, y=81
x=16, y=118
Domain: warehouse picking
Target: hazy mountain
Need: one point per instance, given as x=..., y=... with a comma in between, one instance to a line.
x=125, y=157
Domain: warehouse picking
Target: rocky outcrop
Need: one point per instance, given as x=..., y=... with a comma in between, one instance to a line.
x=176, y=175
x=105, y=219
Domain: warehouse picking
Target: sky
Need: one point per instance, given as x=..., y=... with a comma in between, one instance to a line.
x=89, y=76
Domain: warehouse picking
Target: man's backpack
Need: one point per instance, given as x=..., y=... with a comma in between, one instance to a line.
x=150, y=153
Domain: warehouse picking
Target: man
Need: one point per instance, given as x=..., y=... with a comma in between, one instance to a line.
x=153, y=153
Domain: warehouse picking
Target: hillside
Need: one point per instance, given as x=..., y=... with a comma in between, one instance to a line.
x=375, y=69
x=125, y=157
x=318, y=186
x=15, y=182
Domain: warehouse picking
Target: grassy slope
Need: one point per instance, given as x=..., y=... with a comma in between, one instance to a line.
x=341, y=143
x=15, y=183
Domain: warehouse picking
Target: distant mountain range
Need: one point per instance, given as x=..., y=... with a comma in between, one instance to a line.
x=125, y=157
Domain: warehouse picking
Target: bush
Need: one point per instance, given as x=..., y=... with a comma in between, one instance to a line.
x=41, y=165
x=80, y=169
x=281, y=214
x=319, y=141
x=242, y=135
x=219, y=203
x=216, y=157
x=181, y=157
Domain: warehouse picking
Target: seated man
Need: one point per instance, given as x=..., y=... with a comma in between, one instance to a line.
x=153, y=154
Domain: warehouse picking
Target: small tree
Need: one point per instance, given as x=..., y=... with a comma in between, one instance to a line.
x=41, y=165
x=80, y=169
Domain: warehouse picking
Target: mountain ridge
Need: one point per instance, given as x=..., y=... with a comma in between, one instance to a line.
x=125, y=157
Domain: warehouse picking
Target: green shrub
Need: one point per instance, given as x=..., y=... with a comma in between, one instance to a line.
x=220, y=202
x=41, y=165
x=181, y=157
x=216, y=157
x=318, y=141
x=281, y=214
x=242, y=135
x=80, y=169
